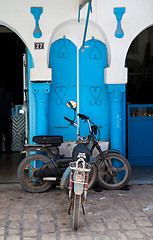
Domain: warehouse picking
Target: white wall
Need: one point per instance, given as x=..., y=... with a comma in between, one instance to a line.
x=60, y=18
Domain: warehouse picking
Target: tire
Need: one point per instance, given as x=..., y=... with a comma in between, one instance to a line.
x=92, y=176
x=76, y=211
x=25, y=173
x=121, y=172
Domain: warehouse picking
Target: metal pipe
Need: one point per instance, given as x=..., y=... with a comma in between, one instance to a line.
x=78, y=96
x=86, y=26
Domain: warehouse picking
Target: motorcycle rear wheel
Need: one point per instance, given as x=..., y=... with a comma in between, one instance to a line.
x=92, y=176
x=25, y=173
x=121, y=171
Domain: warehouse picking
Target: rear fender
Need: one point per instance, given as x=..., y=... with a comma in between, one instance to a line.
x=99, y=158
x=112, y=151
x=78, y=188
x=65, y=178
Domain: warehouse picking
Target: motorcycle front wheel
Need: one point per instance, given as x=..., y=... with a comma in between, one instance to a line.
x=25, y=173
x=114, y=173
x=76, y=210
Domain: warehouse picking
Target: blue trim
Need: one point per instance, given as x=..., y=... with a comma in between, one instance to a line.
x=119, y=14
x=36, y=12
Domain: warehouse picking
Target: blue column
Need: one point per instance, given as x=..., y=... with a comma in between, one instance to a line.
x=41, y=93
x=116, y=99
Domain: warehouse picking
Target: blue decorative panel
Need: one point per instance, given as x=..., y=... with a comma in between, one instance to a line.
x=63, y=61
x=119, y=14
x=93, y=91
x=36, y=12
x=140, y=137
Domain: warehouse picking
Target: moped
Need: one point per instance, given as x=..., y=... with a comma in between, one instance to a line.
x=37, y=172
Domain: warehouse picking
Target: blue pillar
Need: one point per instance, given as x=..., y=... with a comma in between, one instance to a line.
x=116, y=99
x=41, y=93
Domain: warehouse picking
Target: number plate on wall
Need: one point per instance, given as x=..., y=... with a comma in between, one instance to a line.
x=38, y=45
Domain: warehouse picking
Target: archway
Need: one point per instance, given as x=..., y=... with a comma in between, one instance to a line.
x=92, y=95
x=12, y=49
x=140, y=104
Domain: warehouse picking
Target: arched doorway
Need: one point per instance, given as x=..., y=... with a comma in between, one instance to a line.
x=11, y=68
x=140, y=105
x=92, y=96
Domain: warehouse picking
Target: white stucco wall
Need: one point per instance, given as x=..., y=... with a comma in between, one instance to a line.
x=60, y=18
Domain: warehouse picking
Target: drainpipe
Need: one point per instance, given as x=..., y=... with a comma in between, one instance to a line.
x=41, y=93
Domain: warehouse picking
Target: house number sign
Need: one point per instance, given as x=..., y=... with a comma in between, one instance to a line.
x=38, y=45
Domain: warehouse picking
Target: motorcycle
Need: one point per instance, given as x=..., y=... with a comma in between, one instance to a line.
x=113, y=169
x=37, y=172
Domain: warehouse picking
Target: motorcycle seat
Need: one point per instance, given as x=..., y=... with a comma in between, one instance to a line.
x=53, y=140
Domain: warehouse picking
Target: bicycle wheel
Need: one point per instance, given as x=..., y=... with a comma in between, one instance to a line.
x=25, y=173
x=76, y=211
x=115, y=173
x=92, y=176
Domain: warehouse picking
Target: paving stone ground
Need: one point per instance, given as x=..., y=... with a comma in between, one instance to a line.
x=110, y=215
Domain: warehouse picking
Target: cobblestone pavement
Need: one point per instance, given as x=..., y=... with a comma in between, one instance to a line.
x=110, y=215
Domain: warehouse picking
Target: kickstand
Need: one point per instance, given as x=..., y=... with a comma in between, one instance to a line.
x=83, y=210
x=69, y=211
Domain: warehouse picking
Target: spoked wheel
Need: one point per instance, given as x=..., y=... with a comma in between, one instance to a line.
x=115, y=172
x=92, y=175
x=25, y=173
x=76, y=211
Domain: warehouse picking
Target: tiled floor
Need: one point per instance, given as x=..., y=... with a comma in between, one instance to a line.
x=142, y=175
x=8, y=167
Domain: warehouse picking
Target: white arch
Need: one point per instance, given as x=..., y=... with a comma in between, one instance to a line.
x=74, y=31
x=17, y=33
x=136, y=35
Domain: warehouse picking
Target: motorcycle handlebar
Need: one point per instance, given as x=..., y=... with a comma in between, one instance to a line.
x=82, y=116
x=69, y=120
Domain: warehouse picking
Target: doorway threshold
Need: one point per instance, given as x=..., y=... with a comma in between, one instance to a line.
x=141, y=175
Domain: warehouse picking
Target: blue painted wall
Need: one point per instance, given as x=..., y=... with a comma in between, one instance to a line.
x=94, y=97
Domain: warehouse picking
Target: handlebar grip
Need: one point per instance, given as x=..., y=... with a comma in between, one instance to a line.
x=82, y=116
x=69, y=120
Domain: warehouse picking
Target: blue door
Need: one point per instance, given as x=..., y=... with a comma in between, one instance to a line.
x=93, y=97
x=140, y=134
x=63, y=61
x=93, y=94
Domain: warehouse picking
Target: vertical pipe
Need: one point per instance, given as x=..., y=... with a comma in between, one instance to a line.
x=86, y=25
x=78, y=96
x=25, y=98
